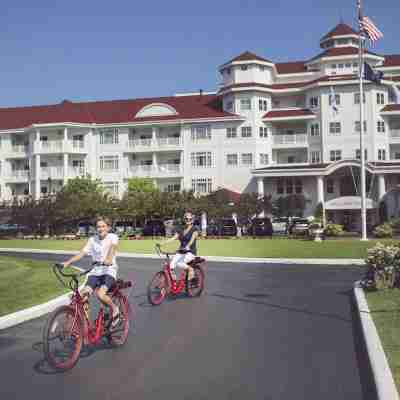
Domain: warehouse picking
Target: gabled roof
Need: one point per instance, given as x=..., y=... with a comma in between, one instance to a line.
x=305, y=112
x=340, y=30
x=294, y=67
x=248, y=56
x=342, y=51
x=109, y=112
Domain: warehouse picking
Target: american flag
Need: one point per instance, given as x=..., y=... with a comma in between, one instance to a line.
x=367, y=26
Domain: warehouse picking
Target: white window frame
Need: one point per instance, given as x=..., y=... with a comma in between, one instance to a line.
x=246, y=131
x=232, y=160
x=201, y=159
x=335, y=128
x=200, y=132
x=202, y=183
x=231, y=132
x=245, y=104
x=263, y=132
x=314, y=130
x=264, y=158
x=109, y=136
x=380, y=126
x=382, y=154
x=314, y=102
x=109, y=163
x=246, y=159
x=335, y=155
x=315, y=157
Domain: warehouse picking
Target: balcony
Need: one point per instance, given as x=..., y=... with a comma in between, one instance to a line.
x=49, y=147
x=158, y=144
x=52, y=173
x=19, y=151
x=74, y=172
x=18, y=176
x=394, y=135
x=76, y=146
x=149, y=171
x=290, y=140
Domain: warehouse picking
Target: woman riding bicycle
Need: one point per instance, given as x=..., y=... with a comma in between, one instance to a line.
x=102, y=248
x=187, y=251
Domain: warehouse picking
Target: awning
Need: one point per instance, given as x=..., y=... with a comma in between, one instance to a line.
x=349, y=203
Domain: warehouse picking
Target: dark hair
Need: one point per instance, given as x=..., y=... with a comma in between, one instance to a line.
x=106, y=220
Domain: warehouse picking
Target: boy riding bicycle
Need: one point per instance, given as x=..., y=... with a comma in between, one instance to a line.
x=102, y=248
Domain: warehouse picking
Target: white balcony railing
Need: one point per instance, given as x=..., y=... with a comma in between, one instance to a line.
x=169, y=169
x=159, y=142
x=19, y=175
x=140, y=142
x=19, y=148
x=51, y=172
x=162, y=170
x=293, y=139
x=395, y=133
x=51, y=146
x=168, y=141
x=76, y=171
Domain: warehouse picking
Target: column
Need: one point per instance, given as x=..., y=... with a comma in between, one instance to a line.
x=37, y=177
x=381, y=186
x=153, y=134
x=65, y=168
x=65, y=141
x=260, y=187
x=320, y=189
x=155, y=162
x=36, y=143
x=91, y=154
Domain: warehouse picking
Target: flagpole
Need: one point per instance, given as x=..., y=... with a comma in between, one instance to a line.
x=361, y=68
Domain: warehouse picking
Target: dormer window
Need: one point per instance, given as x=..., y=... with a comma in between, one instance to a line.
x=262, y=68
x=243, y=67
x=228, y=71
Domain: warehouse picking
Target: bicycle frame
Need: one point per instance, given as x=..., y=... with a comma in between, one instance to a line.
x=176, y=285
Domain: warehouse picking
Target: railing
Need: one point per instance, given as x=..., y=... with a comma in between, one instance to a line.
x=158, y=142
x=20, y=175
x=51, y=146
x=77, y=171
x=151, y=170
x=169, y=168
x=168, y=141
x=297, y=138
x=140, y=142
x=51, y=172
x=20, y=148
x=395, y=133
x=78, y=144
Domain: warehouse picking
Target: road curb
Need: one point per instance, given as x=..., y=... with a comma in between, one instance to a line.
x=301, y=261
x=9, y=320
x=384, y=382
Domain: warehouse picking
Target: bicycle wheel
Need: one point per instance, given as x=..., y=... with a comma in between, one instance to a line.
x=157, y=289
x=62, y=339
x=195, y=287
x=119, y=334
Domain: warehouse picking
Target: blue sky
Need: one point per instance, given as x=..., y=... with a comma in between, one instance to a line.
x=84, y=50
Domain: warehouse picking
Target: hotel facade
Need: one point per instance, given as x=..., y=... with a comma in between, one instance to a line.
x=272, y=128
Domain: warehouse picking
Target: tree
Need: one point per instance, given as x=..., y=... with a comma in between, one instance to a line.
x=291, y=205
x=142, y=185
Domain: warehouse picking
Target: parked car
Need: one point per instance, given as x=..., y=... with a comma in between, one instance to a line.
x=299, y=226
x=227, y=227
x=154, y=227
x=260, y=227
x=280, y=225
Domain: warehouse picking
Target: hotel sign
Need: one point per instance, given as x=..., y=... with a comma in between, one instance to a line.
x=348, y=203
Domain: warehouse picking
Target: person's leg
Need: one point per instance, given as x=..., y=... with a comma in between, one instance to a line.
x=188, y=257
x=107, y=282
x=176, y=259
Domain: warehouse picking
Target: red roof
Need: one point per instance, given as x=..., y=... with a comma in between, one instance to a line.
x=294, y=67
x=391, y=107
x=248, y=56
x=108, y=112
x=305, y=112
x=340, y=30
x=232, y=196
x=392, y=60
x=342, y=51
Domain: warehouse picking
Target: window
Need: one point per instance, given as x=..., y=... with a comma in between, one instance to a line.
x=348, y=65
x=279, y=186
x=243, y=67
x=357, y=126
x=262, y=105
x=247, y=159
x=229, y=106
x=201, y=159
x=358, y=154
x=228, y=71
x=330, y=186
x=246, y=131
x=231, y=132
x=245, y=104
x=337, y=99
x=380, y=125
x=314, y=130
x=111, y=187
x=314, y=102
x=109, y=136
x=335, y=128
x=43, y=190
x=380, y=98
x=263, y=158
x=202, y=185
x=77, y=141
x=172, y=187
x=298, y=186
x=43, y=164
x=263, y=132
x=340, y=66
x=315, y=157
x=335, y=155
x=261, y=67
x=333, y=67
x=382, y=154
x=357, y=98
x=109, y=163
x=201, y=132
x=232, y=160
x=289, y=185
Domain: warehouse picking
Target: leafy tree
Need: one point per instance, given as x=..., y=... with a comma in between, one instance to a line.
x=142, y=185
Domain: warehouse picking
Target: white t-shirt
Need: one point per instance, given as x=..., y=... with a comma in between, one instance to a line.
x=98, y=249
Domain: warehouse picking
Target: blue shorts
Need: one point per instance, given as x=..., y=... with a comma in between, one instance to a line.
x=94, y=281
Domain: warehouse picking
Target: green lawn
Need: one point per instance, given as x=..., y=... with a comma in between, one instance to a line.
x=385, y=309
x=275, y=248
x=25, y=283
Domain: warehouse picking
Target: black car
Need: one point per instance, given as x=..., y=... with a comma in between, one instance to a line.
x=154, y=227
x=260, y=227
x=227, y=227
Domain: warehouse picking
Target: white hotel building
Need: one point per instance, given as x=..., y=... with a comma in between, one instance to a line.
x=268, y=128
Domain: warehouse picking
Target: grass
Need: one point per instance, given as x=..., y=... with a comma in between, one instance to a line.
x=275, y=248
x=385, y=310
x=25, y=283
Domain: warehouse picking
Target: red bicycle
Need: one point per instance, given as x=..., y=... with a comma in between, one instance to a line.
x=69, y=327
x=164, y=284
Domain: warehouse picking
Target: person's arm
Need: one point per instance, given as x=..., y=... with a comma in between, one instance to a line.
x=195, y=234
x=82, y=253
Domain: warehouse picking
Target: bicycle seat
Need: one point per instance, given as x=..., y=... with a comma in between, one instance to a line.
x=120, y=284
x=197, y=260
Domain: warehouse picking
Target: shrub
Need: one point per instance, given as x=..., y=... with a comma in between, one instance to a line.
x=383, y=231
x=395, y=224
x=333, y=230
